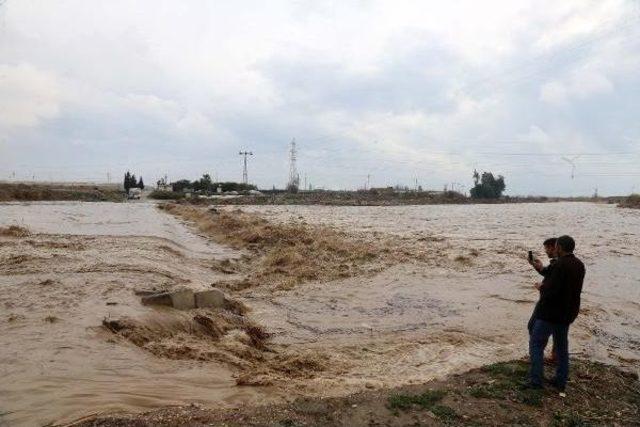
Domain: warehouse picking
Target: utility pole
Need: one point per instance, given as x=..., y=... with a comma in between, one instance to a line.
x=245, y=174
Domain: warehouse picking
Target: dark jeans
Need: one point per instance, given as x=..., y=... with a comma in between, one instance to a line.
x=538, y=338
x=532, y=320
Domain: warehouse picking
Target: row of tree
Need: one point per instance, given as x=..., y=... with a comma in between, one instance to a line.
x=486, y=186
x=131, y=182
x=206, y=185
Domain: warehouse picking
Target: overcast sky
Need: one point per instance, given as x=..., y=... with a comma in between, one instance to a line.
x=398, y=90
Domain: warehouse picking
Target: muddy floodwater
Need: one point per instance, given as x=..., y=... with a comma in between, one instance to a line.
x=81, y=265
x=410, y=322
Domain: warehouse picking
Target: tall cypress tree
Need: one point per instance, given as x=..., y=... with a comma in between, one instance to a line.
x=127, y=181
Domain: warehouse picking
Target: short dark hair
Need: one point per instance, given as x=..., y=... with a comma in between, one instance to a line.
x=566, y=243
x=550, y=241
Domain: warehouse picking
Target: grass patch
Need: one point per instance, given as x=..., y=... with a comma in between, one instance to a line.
x=505, y=383
x=445, y=413
x=425, y=400
x=428, y=400
x=530, y=397
x=487, y=391
x=507, y=369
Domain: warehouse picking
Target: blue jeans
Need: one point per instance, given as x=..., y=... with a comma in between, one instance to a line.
x=538, y=338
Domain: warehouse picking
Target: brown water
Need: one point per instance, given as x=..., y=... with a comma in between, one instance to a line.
x=56, y=364
x=466, y=306
x=470, y=304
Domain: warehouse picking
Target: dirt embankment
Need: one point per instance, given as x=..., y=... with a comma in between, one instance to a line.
x=14, y=231
x=632, y=202
x=284, y=255
x=369, y=198
x=351, y=198
x=52, y=192
x=489, y=396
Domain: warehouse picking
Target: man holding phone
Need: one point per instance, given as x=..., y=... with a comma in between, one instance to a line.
x=558, y=307
x=550, y=249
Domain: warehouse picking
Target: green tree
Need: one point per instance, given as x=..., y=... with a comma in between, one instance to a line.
x=181, y=185
x=127, y=181
x=205, y=183
x=141, y=184
x=486, y=186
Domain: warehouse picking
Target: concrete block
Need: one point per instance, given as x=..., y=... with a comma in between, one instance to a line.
x=163, y=298
x=181, y=300
x=210, y=298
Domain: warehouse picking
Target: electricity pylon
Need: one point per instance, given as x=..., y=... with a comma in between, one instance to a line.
x=294, y=178
x=245, y=174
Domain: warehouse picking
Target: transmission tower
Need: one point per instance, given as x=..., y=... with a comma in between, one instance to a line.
x=245, y=174
x=294, y=178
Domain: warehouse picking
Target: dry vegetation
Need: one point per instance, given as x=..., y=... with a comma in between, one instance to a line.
x=14, y=231
x=284, y=255
x=382, y=197
x=633, y=202
x=52, y=192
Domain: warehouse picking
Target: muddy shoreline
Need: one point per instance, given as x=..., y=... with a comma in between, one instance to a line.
x=488, y=396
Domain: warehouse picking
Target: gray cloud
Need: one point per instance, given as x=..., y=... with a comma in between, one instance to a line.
x=400, y=91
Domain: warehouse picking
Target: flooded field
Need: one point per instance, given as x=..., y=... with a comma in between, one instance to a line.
x=478, y=291
x=457, y=295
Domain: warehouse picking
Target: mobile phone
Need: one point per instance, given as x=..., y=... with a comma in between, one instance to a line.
x=530, y=256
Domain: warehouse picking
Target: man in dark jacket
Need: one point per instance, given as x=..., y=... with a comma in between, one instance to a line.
x=550, y=249
x=549, y=246
x=558, y=307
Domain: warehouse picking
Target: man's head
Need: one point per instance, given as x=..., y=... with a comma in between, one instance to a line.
x=565, y=245
x=550, y=247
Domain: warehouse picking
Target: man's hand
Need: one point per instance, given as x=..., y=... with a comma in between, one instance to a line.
x=538, y=285
x=537, y=264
